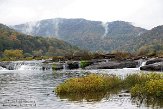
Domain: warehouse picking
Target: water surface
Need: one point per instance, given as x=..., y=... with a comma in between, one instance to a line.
x=29, y=87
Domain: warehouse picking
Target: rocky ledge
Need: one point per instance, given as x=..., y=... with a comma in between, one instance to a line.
x=158, y=66
x=113, y=65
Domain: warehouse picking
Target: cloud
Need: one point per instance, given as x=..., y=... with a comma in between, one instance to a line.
x=18, y=11
x=144, y=13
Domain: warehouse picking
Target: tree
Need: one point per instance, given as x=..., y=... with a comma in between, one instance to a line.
x=13, y=53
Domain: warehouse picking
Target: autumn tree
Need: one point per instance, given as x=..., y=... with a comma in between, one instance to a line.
x=13, y=53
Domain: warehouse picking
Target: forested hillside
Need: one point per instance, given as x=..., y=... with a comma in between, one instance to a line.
x=99, y=36
x=10, y=39
x=91, y=35
x=150, y=42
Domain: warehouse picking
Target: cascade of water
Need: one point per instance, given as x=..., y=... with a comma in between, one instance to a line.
x=143, y=64
x=1, y=68
x=64, y=67
x=27, y=65
x=105, y=25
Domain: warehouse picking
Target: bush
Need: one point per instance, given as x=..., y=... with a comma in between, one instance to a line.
x=151, y=88
x=141, y=85
x=89, y=83
x=84, y=64
x=146, y=84
x=132, y=80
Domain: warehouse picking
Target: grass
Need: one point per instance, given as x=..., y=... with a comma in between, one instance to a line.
x=142, y=84
x=89, y=83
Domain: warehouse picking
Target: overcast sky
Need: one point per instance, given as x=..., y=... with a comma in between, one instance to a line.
x=143, y=13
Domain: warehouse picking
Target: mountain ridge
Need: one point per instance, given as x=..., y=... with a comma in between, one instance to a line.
x=86, y=34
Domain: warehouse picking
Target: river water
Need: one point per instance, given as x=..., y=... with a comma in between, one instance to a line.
x=30, y=87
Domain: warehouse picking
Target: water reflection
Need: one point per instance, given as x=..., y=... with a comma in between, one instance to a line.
x=89, y=97
x=117, y=96
x=148, y=102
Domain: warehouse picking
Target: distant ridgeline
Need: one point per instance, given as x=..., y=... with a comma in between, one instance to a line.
x=96, y=35
x=10, y=39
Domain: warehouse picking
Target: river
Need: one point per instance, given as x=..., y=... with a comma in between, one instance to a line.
x=30, y=87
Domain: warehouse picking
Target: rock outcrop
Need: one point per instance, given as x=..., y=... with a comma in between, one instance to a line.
x=113, y=65
x=153, y=67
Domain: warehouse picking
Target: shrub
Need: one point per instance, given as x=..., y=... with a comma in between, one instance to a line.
x=146, y=84
x=89, y=83
x=154, y=87
x=132, y=80
x=83, y=64
x=141, y=85
x=151, y=88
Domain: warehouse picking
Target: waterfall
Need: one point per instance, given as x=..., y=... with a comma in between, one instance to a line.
x=26, y=65
x=1, y=68
x=105, y=25
x=143, y=63
x=64, y=66
x=56, y=23
x=30, y=27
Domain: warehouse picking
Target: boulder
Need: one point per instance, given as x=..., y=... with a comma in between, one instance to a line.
x=7, y=65
x=113, y=65
x=73, y=65
x=129, y=64
x=47, y=61
x=154, y=60
x=153, y=67
x=4, y=64
x=57, y=66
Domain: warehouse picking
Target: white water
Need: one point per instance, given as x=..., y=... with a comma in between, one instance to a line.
x=1, y=68
x=143, y=63
x=26, y=65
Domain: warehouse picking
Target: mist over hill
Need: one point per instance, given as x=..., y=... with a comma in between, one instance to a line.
x=90, y=35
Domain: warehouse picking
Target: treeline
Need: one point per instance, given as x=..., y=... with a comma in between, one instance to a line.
x=32, y=46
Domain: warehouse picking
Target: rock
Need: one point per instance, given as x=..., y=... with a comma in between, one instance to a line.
x=7, y=65
x=153, y=67
x=129, y=64
x=57, y=66
x=46, y=67
x=47, y=61
x=72, y=65
x=154, y=60
x=4, y=64
x=113, y=65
